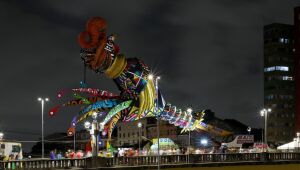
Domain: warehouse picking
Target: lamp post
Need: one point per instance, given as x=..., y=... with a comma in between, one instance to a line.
x=43, y=102
x=264, y=113
x=189, y=111
x=93, y=128
x=297, y=140
x=151, y=77
x=74, y=139
x=1, y=135
x=249, y=129
x=90, y=127
x=140, y=126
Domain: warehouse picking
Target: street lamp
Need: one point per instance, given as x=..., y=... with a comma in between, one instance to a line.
x=93, y=128
x=140, y=126
x=249, y=129
x=264, y=113
x=204, y=142
x=189, y=111
x=151, y=77
x=87, y=125
x=43, y=102
x=1, y=135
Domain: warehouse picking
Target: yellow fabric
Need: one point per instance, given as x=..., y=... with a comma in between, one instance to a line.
x=142, y=102
x=117, y=67
x=112, y=124
x=146, y=99
x=85, y=116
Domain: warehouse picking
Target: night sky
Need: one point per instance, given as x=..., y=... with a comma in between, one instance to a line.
x=209, y=54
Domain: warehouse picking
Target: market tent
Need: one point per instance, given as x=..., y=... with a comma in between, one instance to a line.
x=292, y=145
x=164, y=144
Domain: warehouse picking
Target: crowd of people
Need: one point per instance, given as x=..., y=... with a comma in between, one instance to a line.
x=12, y=157
x=130, y=152
x=71, y=154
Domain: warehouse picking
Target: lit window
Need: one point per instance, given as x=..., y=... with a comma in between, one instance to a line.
x=269, y=69
x=282, y=68
x=281, y=40
x=284, y=40
x=279, y=68
x=270, y=97
x=287, y=78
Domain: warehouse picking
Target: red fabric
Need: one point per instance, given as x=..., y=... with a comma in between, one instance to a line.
x=95, y=32
x=72, y=155
x=88, y=147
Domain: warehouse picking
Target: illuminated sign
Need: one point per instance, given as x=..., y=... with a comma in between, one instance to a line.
x=240, y=139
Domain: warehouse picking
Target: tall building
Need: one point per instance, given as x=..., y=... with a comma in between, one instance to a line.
x=297, y=66
x=279, y=84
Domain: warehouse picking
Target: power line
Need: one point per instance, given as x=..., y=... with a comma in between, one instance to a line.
x=20, y=132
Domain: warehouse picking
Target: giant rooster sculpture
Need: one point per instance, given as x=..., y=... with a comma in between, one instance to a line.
x=139, y=95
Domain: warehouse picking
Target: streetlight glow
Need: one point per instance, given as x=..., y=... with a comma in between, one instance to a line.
x=139, y=124
x=94, y=115
x=249, y=129
x=47, y=99
x=87, y=125
x=150, y=76
x=39, y=99
x=204, y=142
x=262, y=113
x=1, y=135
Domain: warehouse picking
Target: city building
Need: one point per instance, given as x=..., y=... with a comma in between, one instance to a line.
x=297, y=67
x=166, y=130
x=279, y=83
x=129, y=133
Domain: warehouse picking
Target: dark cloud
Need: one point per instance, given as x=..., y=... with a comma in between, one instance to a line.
x=209, y=53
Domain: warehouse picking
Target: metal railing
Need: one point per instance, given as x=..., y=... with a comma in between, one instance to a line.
x=149, y=160
x=42, y=163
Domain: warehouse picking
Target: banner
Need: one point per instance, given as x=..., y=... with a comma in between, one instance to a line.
x=240, y=139
x=115, y=110
x=98, y=105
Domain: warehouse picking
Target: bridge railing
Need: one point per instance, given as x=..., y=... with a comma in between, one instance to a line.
x=42, y=164
x=148, y=160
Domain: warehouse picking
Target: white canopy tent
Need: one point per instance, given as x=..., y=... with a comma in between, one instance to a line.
x=294, y=145
x=288, y=146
